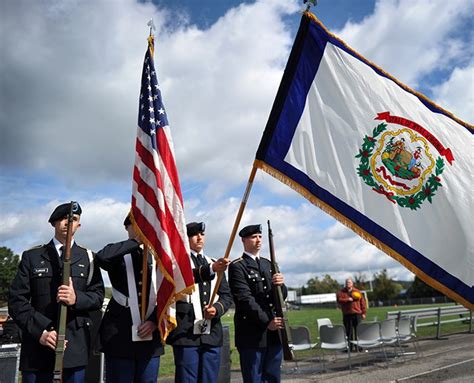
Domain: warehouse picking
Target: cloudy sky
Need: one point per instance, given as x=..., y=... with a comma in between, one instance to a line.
x=70, y=77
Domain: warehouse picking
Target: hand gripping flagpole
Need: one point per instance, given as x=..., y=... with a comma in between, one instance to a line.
x=234, y=230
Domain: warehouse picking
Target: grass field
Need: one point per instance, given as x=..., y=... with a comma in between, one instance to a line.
x=307, y=317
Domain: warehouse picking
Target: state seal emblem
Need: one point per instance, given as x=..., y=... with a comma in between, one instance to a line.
x=400, y=162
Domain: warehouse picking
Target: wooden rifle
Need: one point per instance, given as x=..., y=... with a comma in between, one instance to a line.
x=284, y=333
x=61, y=334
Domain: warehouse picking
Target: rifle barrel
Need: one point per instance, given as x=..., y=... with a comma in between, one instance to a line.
x=284, y=333
x=61, y=332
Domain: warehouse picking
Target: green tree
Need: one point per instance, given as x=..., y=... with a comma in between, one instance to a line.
x=8, y=266
x=420, y=289
x=323, y=286
x=384, y=287
x=359, y=281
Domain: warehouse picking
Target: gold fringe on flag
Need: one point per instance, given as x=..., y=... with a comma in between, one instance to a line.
x=171, y=321
x=361, y=232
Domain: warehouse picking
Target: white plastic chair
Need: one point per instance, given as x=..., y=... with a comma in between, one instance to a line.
x=323, y=322
x=405, y=332
x=413, y=328
x=300, y=340
x=334, y=338
x=389, y=335
x=368, y=337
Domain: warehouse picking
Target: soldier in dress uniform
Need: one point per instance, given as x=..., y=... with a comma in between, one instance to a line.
x=132, y=347
x=34, y=299
x=256, y=335
x=197, y=340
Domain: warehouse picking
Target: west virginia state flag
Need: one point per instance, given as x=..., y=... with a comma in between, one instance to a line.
x=378, y=156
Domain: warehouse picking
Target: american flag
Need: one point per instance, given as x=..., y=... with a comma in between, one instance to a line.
x=157, y=203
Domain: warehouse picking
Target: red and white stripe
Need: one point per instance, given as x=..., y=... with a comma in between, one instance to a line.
x=157, y=209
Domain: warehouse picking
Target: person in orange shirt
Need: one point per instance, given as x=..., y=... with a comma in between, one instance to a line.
x=352, y=303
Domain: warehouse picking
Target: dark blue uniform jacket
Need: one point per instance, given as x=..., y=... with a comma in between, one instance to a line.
x=183, y=335
x=252, y=290
x=32, y=304
x=116, y=327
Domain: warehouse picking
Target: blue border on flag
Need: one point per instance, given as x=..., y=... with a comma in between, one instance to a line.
x=303, y=65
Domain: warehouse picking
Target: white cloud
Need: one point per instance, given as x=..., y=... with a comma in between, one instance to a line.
x=101, y=223
x=72, y=83
x=219, y=85
x=457, y=93
x=410, y=39
x=71, y=86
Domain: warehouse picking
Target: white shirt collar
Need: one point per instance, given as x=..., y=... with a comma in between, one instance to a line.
x=253, y=256
x=58, y=245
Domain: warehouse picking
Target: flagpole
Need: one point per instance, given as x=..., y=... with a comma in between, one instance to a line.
x=145, y=248
x=234, y=229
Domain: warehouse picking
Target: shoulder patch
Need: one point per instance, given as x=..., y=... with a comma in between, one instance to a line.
x=238, y=260
x=36, y=247
x=85, y=248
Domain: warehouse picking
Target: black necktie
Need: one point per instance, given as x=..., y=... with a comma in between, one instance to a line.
x=258, y=264
x=61, y=252
x=201, y=260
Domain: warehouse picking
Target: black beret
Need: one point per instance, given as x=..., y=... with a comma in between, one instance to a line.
x=127, y=220
x=62, y=211
x=250, y=230
x=195, y=228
